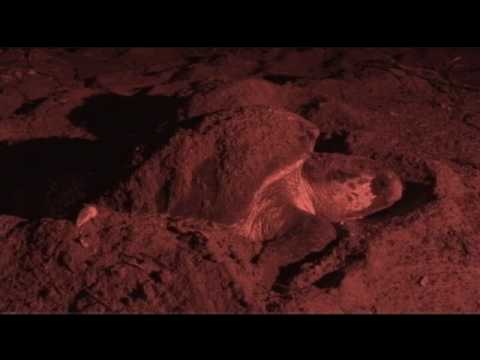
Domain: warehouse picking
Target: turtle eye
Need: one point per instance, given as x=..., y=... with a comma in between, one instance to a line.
x=380, y=184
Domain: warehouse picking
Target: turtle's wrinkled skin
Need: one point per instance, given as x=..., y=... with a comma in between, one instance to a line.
x=293, y=212
x=337, y=187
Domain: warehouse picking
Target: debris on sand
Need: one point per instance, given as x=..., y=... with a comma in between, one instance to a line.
x=423, y=281
x=88, y=213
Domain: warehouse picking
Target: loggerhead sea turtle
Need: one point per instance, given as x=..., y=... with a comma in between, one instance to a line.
x=254, y=169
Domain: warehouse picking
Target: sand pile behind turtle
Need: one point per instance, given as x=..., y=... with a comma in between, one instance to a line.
x=222, y=95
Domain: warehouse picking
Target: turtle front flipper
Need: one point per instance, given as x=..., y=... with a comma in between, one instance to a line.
x=305, y=234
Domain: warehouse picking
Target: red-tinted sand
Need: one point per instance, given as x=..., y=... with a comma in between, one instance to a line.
x=84, y=126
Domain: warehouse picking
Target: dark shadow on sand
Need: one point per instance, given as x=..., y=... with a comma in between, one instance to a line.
x=54, y=177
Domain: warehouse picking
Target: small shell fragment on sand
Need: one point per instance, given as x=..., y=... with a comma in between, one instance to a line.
x=86, y=214
x=423, y=281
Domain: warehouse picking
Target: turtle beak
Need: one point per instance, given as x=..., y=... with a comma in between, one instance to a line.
x=388, y=186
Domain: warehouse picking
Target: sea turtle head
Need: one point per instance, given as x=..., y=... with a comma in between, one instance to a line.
x=351, y=187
